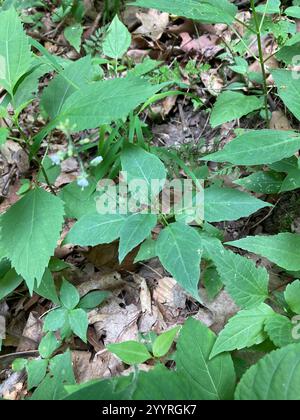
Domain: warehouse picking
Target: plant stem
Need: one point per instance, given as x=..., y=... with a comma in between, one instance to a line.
x=261, y=60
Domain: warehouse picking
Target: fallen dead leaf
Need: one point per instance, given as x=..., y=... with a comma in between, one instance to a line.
x=213, y=82
x=279, y=121
x=154, y=23
x=205, y=44
x=32, y=334
x=101, y=282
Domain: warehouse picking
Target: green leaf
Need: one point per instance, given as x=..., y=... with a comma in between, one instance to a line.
x=143, y=166
x=4, y=133
x=19, y=364
x=147, y=251
x=233, y=105
x=258, y=148
x=179, y=250
x=15, y=54
x=285, y=165
x=281, y=249
x=243, y=330
x=93, y=299
x=9, y=282
x=222, y=204
x=79, y=323
x=275, y=377
x=74, y=77
x=293, y=11
x=103, y=102
x=53, y=171
x=207, y=379
x=78, y=202
x=280, y=330
x=135, y=230
x=73, y=35
x=292, y=296
x=31, y=242
x=48, y=345
x=69, y=295
x=96, y=229
x=130, y=352
x=292, y=181
x=262, y=182
x=163, y=342
x=246, y=284
x=55, y=320
x=271, y=7
x=36, y=371
x=288, y=85
x=47, y=288
x=207, y=11
x=117, y=40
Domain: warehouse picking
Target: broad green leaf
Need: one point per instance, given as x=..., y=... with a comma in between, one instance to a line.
x=246, y=284
x=103, y=102
x=233, y=105
x=135, y=230
x=262, y=182
x=164, y=341
x=93, y=299
x=78, y=202
x=27, y=89
x=142, y=166
x=280, y=330
x=4, y=133
x=281, y=249
x=207, y=379
x=212, y=283
x=53, y=171
x=55, y=320
x=276, y=377
x=48, y=345
x=79, y=323
x=69, y=295
x=117, y=40
x=73, y=35
x=285, y=165
x=243, y=330
x=292, y=296
x=288, y=85
x=292, y=181
x=271, y=7
x=206, y=11
x=130, y=352
x=258, y=148
x=147, y=251
x=31, y=242
x=36, y=371
x=96, y=229
x=19, y=364
x=15, y=54
x=47, y=288
x=226, y=204
x=74, y=77
x=179, y=250
x=9, y=282
x=293, y=11
x=61, y=374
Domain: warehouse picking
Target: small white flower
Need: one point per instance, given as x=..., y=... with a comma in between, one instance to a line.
x=83, y=182
x=55, y=159
x=96, y=161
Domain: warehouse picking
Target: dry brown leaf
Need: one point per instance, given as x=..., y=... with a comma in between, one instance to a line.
x=32, y=334
x=205, y=44
x=86, y=369
x=213, y=82
x=154, y=23
x=100, y=281
x=279, y=121
x=169, y=293
x=15, y=155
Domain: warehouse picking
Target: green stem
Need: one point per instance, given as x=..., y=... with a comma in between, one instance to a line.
x=261, y=60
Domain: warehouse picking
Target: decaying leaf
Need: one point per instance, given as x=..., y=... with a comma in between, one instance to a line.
x=154, y=24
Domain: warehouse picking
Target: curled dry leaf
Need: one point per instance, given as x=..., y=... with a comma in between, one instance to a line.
x=154, y=24
x=100, y=281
